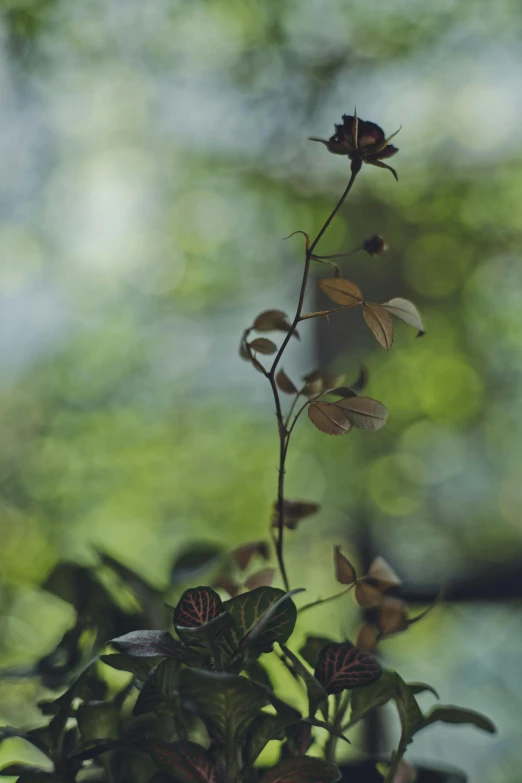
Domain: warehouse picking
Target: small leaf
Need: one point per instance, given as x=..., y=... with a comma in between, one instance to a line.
x=313, y=383
x=294, y=511
x=447, y=713
x=186, y=762
x=341, y=291
x=197, y=606
x=285, y=384
x=124, y=663
x=410, y=713
x=244, y=554
x=383, y=574
x=143, y=644
x=302, y=769
x=194, y=562
x=263, y=578
x=380, y=323
x=343, y=666
x=312, y=647
x=367, y=595
x=273, y=320
x=263, y=729
x=328, y=418
x=263, y=345
x=406, y=311
x=366, y=637
x=421, y=687
x=344, y=570
x=363, y=412
x=227, y=703
x=392, y=616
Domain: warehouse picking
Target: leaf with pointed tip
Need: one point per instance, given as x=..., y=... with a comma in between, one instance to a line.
x=344, y=570
x=341, y=291
x=328, y=418
x=410, y=713
x=194, y=562
x=366, y=637
x=91, y=749
x=227, y=703
x=262, y=617
x=285, y=384
x=124, y=663
x=272, y=321
x=384, y=575
x=380, y=323
x=343, y=667
x=242, y=555
x=148, y=644
x=362, y=700
x=392, y=616
x=421, y=687
x=263, y=345
x=321, y=724
x=20, y=770
x=186, y=762
x=364, y=412
x=315, y=691
x=265, y=728
x=294, y=511
x=34, y=737
x=312, y=647
x=406, y=311
x=367, y=594
x=263, y=578
x=159, y=689
x=447, y=713
x=302, y=769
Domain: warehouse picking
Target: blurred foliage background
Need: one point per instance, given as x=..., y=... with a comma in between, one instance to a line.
x=153, y=157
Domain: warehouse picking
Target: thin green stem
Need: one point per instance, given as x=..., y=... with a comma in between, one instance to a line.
x=325, y=600
x=283, y=434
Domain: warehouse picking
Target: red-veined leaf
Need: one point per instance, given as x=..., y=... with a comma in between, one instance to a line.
x=343, y=666
x=197, y=606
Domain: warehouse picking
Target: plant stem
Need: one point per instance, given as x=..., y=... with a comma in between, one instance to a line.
x=325, y=600
x=283, y=434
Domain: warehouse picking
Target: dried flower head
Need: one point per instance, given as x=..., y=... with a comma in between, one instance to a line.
x=362, y=142
x=375, y=245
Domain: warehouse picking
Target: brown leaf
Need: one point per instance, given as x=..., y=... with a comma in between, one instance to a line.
x=383, y=574
x=285, y=384
x=314, y=383
x=344, y=570
x=406, y=311
x=366, y=637
x=244, y=554
x=367, y=595
x=331, y=380
x=392, y=616
x=263, y=578
x=341, y=291
x=294, y=511
x=224, y=582
x=380, y=323
x=272, y=321
x=364, y=412
x=328, y=418
x=263, y=345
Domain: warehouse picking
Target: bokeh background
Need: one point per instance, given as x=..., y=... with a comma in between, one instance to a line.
x=153, y=156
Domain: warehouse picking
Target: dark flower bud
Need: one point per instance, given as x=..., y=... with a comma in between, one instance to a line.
x=374, y=246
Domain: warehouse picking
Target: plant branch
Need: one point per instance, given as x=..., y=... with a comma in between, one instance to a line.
x=325, y=600
x=283, y=434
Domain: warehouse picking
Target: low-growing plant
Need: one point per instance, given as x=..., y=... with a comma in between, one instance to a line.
x=199, y=705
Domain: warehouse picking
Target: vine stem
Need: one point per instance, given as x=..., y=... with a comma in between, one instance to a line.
x=283, y=432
